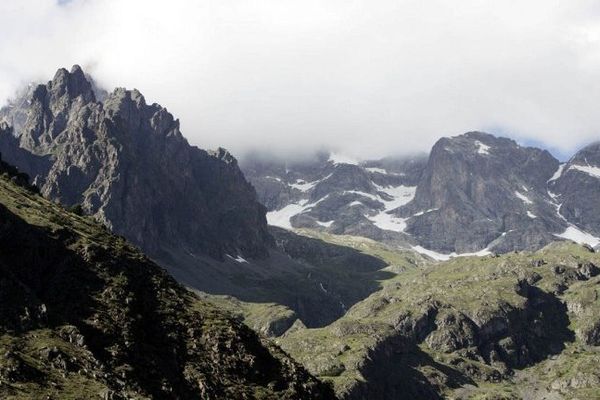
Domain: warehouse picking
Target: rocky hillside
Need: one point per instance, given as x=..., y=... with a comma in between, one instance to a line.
x=576, y=186
x=517, y=326
x=85, y=315
x=126, y=162
x=482, y=192
x=335, y=194
x=303, y=279
x=475, y=193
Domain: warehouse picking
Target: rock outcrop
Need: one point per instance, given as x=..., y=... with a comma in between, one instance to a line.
x=576, y=187
x=126, y=162
x=479, y=191
x=500, y=326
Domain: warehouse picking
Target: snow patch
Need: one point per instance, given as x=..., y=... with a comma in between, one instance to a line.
x=378, y=170
x=282, y=217
x=303, y=186
x=425, y=212
x=388, y=222
x=523, y=198
x=238, y=259
x=557, y=173
x=444, y=257
x=322, y=288
x=355, y=203
x=558, y=206
x=400, y=196
x=274, y=178
x=588, y=169
x=531, y=215
x=482, y=148
x=578, y=236
x=326, y=224
x=341, y=159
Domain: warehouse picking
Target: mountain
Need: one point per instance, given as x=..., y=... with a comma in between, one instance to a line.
x=482, y=192
x=84, y=314
x=127, y=165
x=474, y=193
x=576, y=188
x=126, y=162
x=335, y=194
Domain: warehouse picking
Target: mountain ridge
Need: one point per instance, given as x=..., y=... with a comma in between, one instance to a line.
x=475, y=193
x=113, y=157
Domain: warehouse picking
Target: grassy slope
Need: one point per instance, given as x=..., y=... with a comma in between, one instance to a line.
x=84, y=315
x=481, y=289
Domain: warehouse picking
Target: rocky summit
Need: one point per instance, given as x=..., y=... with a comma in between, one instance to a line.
x=126, y=162
x=85, y=315
x=475, y=193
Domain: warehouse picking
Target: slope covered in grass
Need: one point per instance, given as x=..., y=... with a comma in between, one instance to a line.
x=520, y=325
x=85, y=315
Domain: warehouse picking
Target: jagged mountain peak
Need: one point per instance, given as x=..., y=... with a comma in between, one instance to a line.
x=127, y=163
x=72, y=84
x=224, y=155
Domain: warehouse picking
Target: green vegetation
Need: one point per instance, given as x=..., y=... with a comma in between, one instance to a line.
x=84, y=315
x=473, y=327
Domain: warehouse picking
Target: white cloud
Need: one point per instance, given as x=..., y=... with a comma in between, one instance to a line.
x=368, y=78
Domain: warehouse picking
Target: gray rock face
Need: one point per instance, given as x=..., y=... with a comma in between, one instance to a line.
x=127, y=163
x=479, y=191
x=577, y=189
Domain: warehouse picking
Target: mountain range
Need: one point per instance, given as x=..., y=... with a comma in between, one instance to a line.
x=351, y=267
x=474, y=194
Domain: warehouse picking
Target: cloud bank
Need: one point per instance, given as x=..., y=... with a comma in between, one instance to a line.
x=368, y=78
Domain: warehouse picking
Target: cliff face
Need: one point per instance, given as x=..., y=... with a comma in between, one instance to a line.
x=127, y=163
x=83, y=314
x=576, y=186
x=479, y=191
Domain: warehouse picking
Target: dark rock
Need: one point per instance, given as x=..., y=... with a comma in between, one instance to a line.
x=128, y=165
x=578, y=187
x=484, y=190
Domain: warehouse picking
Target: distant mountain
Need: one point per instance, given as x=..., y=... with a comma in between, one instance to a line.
x=85, y=315
x=575, y=188
x=482, y=192
x=127, y=163
x=336, y=194
x=475, y=193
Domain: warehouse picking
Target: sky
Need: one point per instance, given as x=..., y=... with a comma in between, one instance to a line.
x=365, y=78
